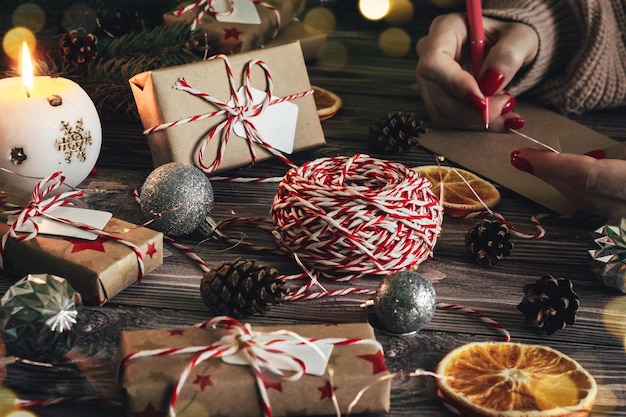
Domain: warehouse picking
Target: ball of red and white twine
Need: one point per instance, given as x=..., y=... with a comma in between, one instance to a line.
x=355, y=216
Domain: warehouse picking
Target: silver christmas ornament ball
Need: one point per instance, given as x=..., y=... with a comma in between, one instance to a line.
x=39, y=314
x=405, y=302
x=176, y=197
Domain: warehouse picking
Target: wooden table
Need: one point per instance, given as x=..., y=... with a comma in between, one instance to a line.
x=371, y=85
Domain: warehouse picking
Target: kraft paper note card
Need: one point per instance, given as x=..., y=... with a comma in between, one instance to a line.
x=488, y=154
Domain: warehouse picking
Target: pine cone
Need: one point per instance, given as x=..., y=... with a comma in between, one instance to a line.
x=488, y=241
x=550, y=303
x=78, y=47
x=395, y=133
x=241, y=288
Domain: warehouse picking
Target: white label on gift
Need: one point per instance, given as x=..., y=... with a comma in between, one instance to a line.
x=314, y=360
x=93, y=218
x=244, y=11
x=276, y=124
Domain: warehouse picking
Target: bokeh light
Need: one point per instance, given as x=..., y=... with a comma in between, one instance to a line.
x=394, y=42
x=21, y=413
x=13, y=40
x=613, y=317
x=400, y=13
x=374, y=9
x=333, y=56
x=29, y=15
x=7, y=401
x=320, y=19
x=79, y=16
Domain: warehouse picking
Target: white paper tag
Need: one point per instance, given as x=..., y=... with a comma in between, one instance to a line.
x=244, y=11
x=314, y=362
x=93, y=218
x=276, y=124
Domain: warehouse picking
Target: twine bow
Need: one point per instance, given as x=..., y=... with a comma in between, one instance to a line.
x=41, y=205
x=207, y=6
x=262, y=356
x=240, y=111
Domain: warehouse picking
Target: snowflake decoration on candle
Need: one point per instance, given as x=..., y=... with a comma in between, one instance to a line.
x=18, y=156
x=74, y=141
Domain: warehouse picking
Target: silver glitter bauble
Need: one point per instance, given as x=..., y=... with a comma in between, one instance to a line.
x=176, y=197
x=39, y=313
x=405, y=302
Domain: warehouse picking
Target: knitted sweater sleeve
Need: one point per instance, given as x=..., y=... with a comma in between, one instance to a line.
x=581, y=63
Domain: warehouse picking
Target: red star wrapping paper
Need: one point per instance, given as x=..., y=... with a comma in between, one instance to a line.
x=98, y=269
x=231, y=37
x=159, y=105
x=217, y=388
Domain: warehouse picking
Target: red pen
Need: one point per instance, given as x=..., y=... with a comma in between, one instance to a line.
x=477, y=44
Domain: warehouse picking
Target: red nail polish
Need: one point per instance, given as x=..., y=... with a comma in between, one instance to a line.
x=520, y=163
x=477, y=103
x=508, y=106
x=490, y=82
x=514, y=123
x=598, y=154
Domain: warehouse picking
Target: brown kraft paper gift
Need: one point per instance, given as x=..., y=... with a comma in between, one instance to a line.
x=234, y=37
x=158, y=104
x=97, y=269
x=217, y=388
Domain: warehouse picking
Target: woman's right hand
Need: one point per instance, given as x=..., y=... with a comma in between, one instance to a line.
x=452, y=95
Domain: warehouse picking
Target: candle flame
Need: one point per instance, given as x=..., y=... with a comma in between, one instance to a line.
x=27, y=69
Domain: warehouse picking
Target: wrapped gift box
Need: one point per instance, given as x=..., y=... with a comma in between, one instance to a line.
x=158, y=103
x=97, y=269
x=236, y=36
x=217, y=388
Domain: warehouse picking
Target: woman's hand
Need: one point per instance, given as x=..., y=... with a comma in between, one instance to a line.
x=453, y=97
x=593, y=185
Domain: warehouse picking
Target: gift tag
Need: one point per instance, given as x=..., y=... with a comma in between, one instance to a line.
x=93, y=218
x=315, y=359
x=243, y=11
x=276, y=124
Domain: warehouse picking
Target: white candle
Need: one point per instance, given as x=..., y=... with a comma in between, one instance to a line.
x=51, y=126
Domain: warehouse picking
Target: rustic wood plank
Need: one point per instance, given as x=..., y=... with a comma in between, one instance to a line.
x=371, y=85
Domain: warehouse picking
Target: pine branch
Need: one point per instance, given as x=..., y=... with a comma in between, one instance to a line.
x=157, y=41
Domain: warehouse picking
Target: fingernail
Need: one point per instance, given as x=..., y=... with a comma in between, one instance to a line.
x=520, y=163
x=598, y=154
x=476, y=102
x=514, y=123
x=508, y=106
x=490, y=82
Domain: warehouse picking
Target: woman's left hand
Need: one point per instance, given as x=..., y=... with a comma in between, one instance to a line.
x=593, y=185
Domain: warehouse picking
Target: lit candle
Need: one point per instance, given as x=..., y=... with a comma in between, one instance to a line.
x=47, y=124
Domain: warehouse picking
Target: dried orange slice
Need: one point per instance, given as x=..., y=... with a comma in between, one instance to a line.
x=327, y=102
x=504, y=379
x=458, y=199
